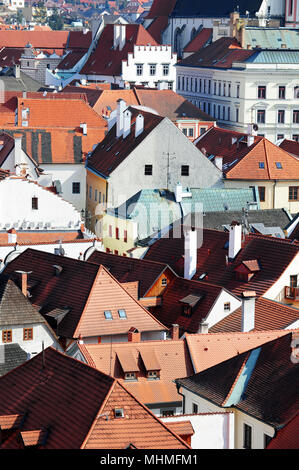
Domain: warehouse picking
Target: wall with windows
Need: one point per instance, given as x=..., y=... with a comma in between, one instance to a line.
x=118, y=234
x=96, y=197
x=266, y=94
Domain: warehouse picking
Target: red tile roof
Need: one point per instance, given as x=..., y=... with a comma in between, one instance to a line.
x=79, y=40
x=201, y=39
x=38, y=39
x=70, y=60
x=47, y=391
x=172, y=360
x=161, y=8
x=32, y=237
x=287, y=437
x=220, y=54
x=85, y=290
x=91, y=95
x=6, y=146
x=290, y=146
x=9, y=56
x=268, y=315
x=157, y=27
x=126, y=269
x=108, y=61
x=211, y=259
x=104, y=160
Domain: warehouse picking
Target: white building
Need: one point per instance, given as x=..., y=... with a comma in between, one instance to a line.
x=239, y=87
x=128, y=53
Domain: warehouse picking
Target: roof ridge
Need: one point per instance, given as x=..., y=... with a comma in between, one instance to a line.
x=236, y=378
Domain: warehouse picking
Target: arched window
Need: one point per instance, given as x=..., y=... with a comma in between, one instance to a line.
x=193, y=34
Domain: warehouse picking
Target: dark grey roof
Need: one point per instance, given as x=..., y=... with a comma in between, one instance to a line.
x=15, y=308
x=268, y=217
x=11, y=356
x=216, y=9
x=25, y=83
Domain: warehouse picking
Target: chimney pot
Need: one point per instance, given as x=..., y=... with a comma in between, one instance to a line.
x=134, y=336
x=203, y=328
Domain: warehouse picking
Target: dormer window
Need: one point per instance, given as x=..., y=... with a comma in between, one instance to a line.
x=247, y=269
x=130, y=376
x=108, y=315
x=153, y=374
x=190, y=302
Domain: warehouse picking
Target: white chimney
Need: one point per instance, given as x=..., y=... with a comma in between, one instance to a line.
x=17, y=70
x=190, y=261
x=203, y=328
x=178, y=192
x=122, y=39
x=12, y=236
x=162, y=85
x=84, y=128
x=121, y=107
x=248, y=310
x=235, y=240
x=127, y=123
x=116, y=36
x=250, y=140
x=218, y=162
x=139, y=125
x=18, y=150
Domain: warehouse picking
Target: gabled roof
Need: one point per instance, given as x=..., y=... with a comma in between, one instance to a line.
x=9, y=56
x=70, y=60
x=6, y=146
x=161, y=8
x=171, y=310
x=112, y=150
x=220, y=54
x=47, y=392
x=38, y=39
x=106, y=60
x=157, y=27
x=86, y=290
x=262, y=396
x=15, y=308
x=268, y=315
x=126, y=269
x=12, y=356
x=211, y=259
x=172, y=361
x=91, y=94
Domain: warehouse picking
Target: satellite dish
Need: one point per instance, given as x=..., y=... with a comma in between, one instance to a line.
x=255, y=127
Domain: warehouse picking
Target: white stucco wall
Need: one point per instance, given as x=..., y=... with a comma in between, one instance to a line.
x=258, y=430
x=217, y=313
x=276, y=291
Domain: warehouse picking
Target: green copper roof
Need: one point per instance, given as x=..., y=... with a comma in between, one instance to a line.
x=275, y=57
x=271, y=38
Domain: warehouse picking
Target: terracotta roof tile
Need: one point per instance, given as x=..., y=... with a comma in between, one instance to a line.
x=157, y=27
x=161, y=8
x=290, y=146
x=31, y=237
x=34, y=438
x=38, y=39
x=201, y=39
x=10, y=421
x=287, y=437
x=182, y=428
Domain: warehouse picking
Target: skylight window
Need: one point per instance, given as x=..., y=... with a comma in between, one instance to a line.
x=261, y=165
x=108, y=315
x=122, y=313
x=278, y=165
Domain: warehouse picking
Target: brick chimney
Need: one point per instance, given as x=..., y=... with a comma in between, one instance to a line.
x=248, y=310
x=175, y=332
x=24, y=281
x=134, y=336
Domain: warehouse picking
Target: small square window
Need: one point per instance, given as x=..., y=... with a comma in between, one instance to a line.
x=122, y=313
x=148, y=170
x=76, y=188
x=194, y=408
x=185, y=170
x=278, y=165
x=119, y=413
x=6, y=336
x=108, y=315
x=164, y=282
x=227, y=306
x=27, y=334
x=165, y=69
x=130, y=376
x=261, y=165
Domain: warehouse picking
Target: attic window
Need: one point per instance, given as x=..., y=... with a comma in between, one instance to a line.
x=153, y=374
x=261, y=165
x=119, y=413
x=278, y=165
x=108, y=315
x=130, y=376
x=122, y=313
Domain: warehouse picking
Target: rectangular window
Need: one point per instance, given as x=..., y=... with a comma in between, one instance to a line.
x=35, y=203
x=117, y=233
x=190, y=132
x=194, y=408
x=229, y=89
x=227, y=306
x=247, y=436
x=122, y=313
x=215, y=88
x=296, y=92
x=185, y=170
x=261, y=116
x=237, y=115
x=6, y=336
x=261, y=94
x=164, y=282
x=130, y=376
x=170, y=85
x=238, y=91
x=280, y=136
x=110, y=230
x=282, y=92
x=125, y=236
x=184, y=130
x=296, y=116
x=76, y=188
x=165, y=69
x=100, y=196
x=139, y=69
x=294, y=280
x=90, y=192
x=116, y=252
x=167, y=413
x=148, y=170
x=108, y=315
x=261, y=190
x=27, y=334
x=295, y=137
x=219, y=88
x=153, y=69
x=280, y=117
x=293, y=193
x=96, y=195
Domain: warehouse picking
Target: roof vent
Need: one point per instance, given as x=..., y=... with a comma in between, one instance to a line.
x=58, y=269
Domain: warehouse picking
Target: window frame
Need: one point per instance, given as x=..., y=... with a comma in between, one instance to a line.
x=247, y=436
x=148, y=170
x=292, y=191
x=27, y=337
x=34, y=203
x=4, y=336
x=185, y=170
x=76, y=184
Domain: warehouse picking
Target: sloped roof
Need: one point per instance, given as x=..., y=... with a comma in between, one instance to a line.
x=51, y=398
x=86, y=290
x=126, y=269
x=38, y=39
x=190, y=9
x=157, y=27
x=70, y=60
x=290, y=146
x=268, y=315
x=112, y=150
x=15, y=308
x=220, y=54
x=204, y=36
x=271, y=38
x=161, y=8
x=6, y=146
x=263, y=397
x=173, y=358
x=287, y=437
x=106, y=60
x=79, y=40
x=13, y=356
x=91, y=94
x=207, y=350
x=9, y=56
x=211, y=259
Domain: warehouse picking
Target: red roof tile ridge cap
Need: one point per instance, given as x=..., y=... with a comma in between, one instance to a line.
x=98, y=413
x=235, y=333
x=127, y=344
x=276, y=302
x=236, y=378
x=50, y=242
x=153, y=415
x=286, y=241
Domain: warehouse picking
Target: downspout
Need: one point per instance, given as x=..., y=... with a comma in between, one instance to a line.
x=274, y=186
